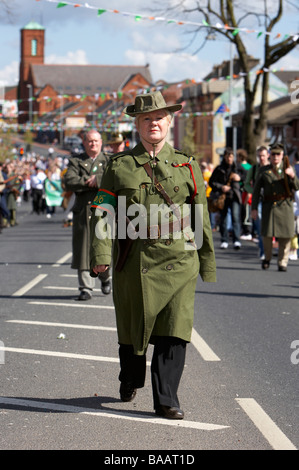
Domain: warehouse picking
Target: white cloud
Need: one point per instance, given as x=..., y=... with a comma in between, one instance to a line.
x=78, y=58
x=161, y=51
x=10, y=74
x=170, y=67
x=158, y=42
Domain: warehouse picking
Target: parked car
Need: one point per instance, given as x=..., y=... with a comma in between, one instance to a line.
x=72, y=142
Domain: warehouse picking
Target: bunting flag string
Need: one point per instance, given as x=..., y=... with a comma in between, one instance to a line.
x=117, y=95
x=103, y=122
x=102, y=118
x=140, y=17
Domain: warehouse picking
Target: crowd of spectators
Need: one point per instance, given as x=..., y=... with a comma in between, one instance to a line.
x=236, y=177
x=25, y=179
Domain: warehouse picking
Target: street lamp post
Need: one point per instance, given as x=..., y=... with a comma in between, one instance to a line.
x=213, y=37
x=61, y=119
x=29, y=86
x=231, y=72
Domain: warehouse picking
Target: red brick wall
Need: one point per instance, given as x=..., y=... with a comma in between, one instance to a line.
x=27, y=35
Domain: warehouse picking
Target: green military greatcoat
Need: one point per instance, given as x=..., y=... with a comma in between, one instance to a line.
x=277, y=201
x=79, y=170
x=154, y=292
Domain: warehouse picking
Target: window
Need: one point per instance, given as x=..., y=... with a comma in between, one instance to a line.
x=33, y=47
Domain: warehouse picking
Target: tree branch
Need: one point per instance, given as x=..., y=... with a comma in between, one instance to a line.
x=276, y=18
x=279, y=50
x=7, y=10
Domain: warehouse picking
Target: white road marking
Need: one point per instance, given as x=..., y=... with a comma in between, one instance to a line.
x=203, y=348
x=77, y=304
x=62, y=260
x=60, y=354
x=67, y=288
x=29, y=286
x=100, y=413
x=276, y=438
x=63, y=325
x=68, y=275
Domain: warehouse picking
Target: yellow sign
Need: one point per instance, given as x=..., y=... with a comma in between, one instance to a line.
x=75, y=122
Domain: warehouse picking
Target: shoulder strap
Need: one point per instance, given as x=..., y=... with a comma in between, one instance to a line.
x=188, y=164
x=229, y=179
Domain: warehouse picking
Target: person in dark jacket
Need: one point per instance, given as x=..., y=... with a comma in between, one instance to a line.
x=226, y=179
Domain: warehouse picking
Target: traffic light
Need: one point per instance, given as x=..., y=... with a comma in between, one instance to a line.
x=21, y=151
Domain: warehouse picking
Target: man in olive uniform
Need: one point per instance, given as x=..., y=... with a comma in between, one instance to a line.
x=83, y=177
x=276, y=182
x=115, y=143
x=154, y=280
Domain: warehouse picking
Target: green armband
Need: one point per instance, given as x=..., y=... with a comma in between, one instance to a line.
x=104, y=199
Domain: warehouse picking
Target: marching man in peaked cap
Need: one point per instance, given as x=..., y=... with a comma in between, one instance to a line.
x=276, y=182
x=115, y=143
x=155, y=269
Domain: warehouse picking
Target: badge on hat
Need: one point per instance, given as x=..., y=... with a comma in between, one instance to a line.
x=276, y=148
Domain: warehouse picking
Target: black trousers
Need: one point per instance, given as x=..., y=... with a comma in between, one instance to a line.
x=37, y=196
x=166, y=369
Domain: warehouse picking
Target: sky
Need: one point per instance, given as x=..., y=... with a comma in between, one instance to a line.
x=77, y=35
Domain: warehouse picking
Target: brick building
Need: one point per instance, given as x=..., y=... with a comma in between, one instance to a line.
x=201, y=106
x=53, y=93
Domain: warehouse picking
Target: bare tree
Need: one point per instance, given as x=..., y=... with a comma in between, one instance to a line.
x=7, y=12
x=226, y=17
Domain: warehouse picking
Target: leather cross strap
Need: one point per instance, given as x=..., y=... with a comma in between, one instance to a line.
x=161, y=190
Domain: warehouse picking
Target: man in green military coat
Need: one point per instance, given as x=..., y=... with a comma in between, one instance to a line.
x=83, y=177
x=276, y=182
x=154, y=282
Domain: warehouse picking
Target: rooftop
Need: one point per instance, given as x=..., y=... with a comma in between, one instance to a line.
x=87, y=79
x=33, y=25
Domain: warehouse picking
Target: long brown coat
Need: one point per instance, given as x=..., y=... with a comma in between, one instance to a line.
x=154, y=292
x=79, y=170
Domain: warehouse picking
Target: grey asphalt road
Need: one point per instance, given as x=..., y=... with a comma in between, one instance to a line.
x=59, y=368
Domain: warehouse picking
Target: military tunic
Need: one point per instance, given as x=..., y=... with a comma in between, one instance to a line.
x=79, y=170
x=154, y=292
x=277, y=206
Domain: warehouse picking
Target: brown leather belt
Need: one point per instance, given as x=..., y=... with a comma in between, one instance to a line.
x=157, y=231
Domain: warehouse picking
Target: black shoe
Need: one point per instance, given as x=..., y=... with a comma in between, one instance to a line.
x=170, y=412
x=265, y=264
x=84, y=295
x=106, y=287
x=282, y=268
x=127, y=392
